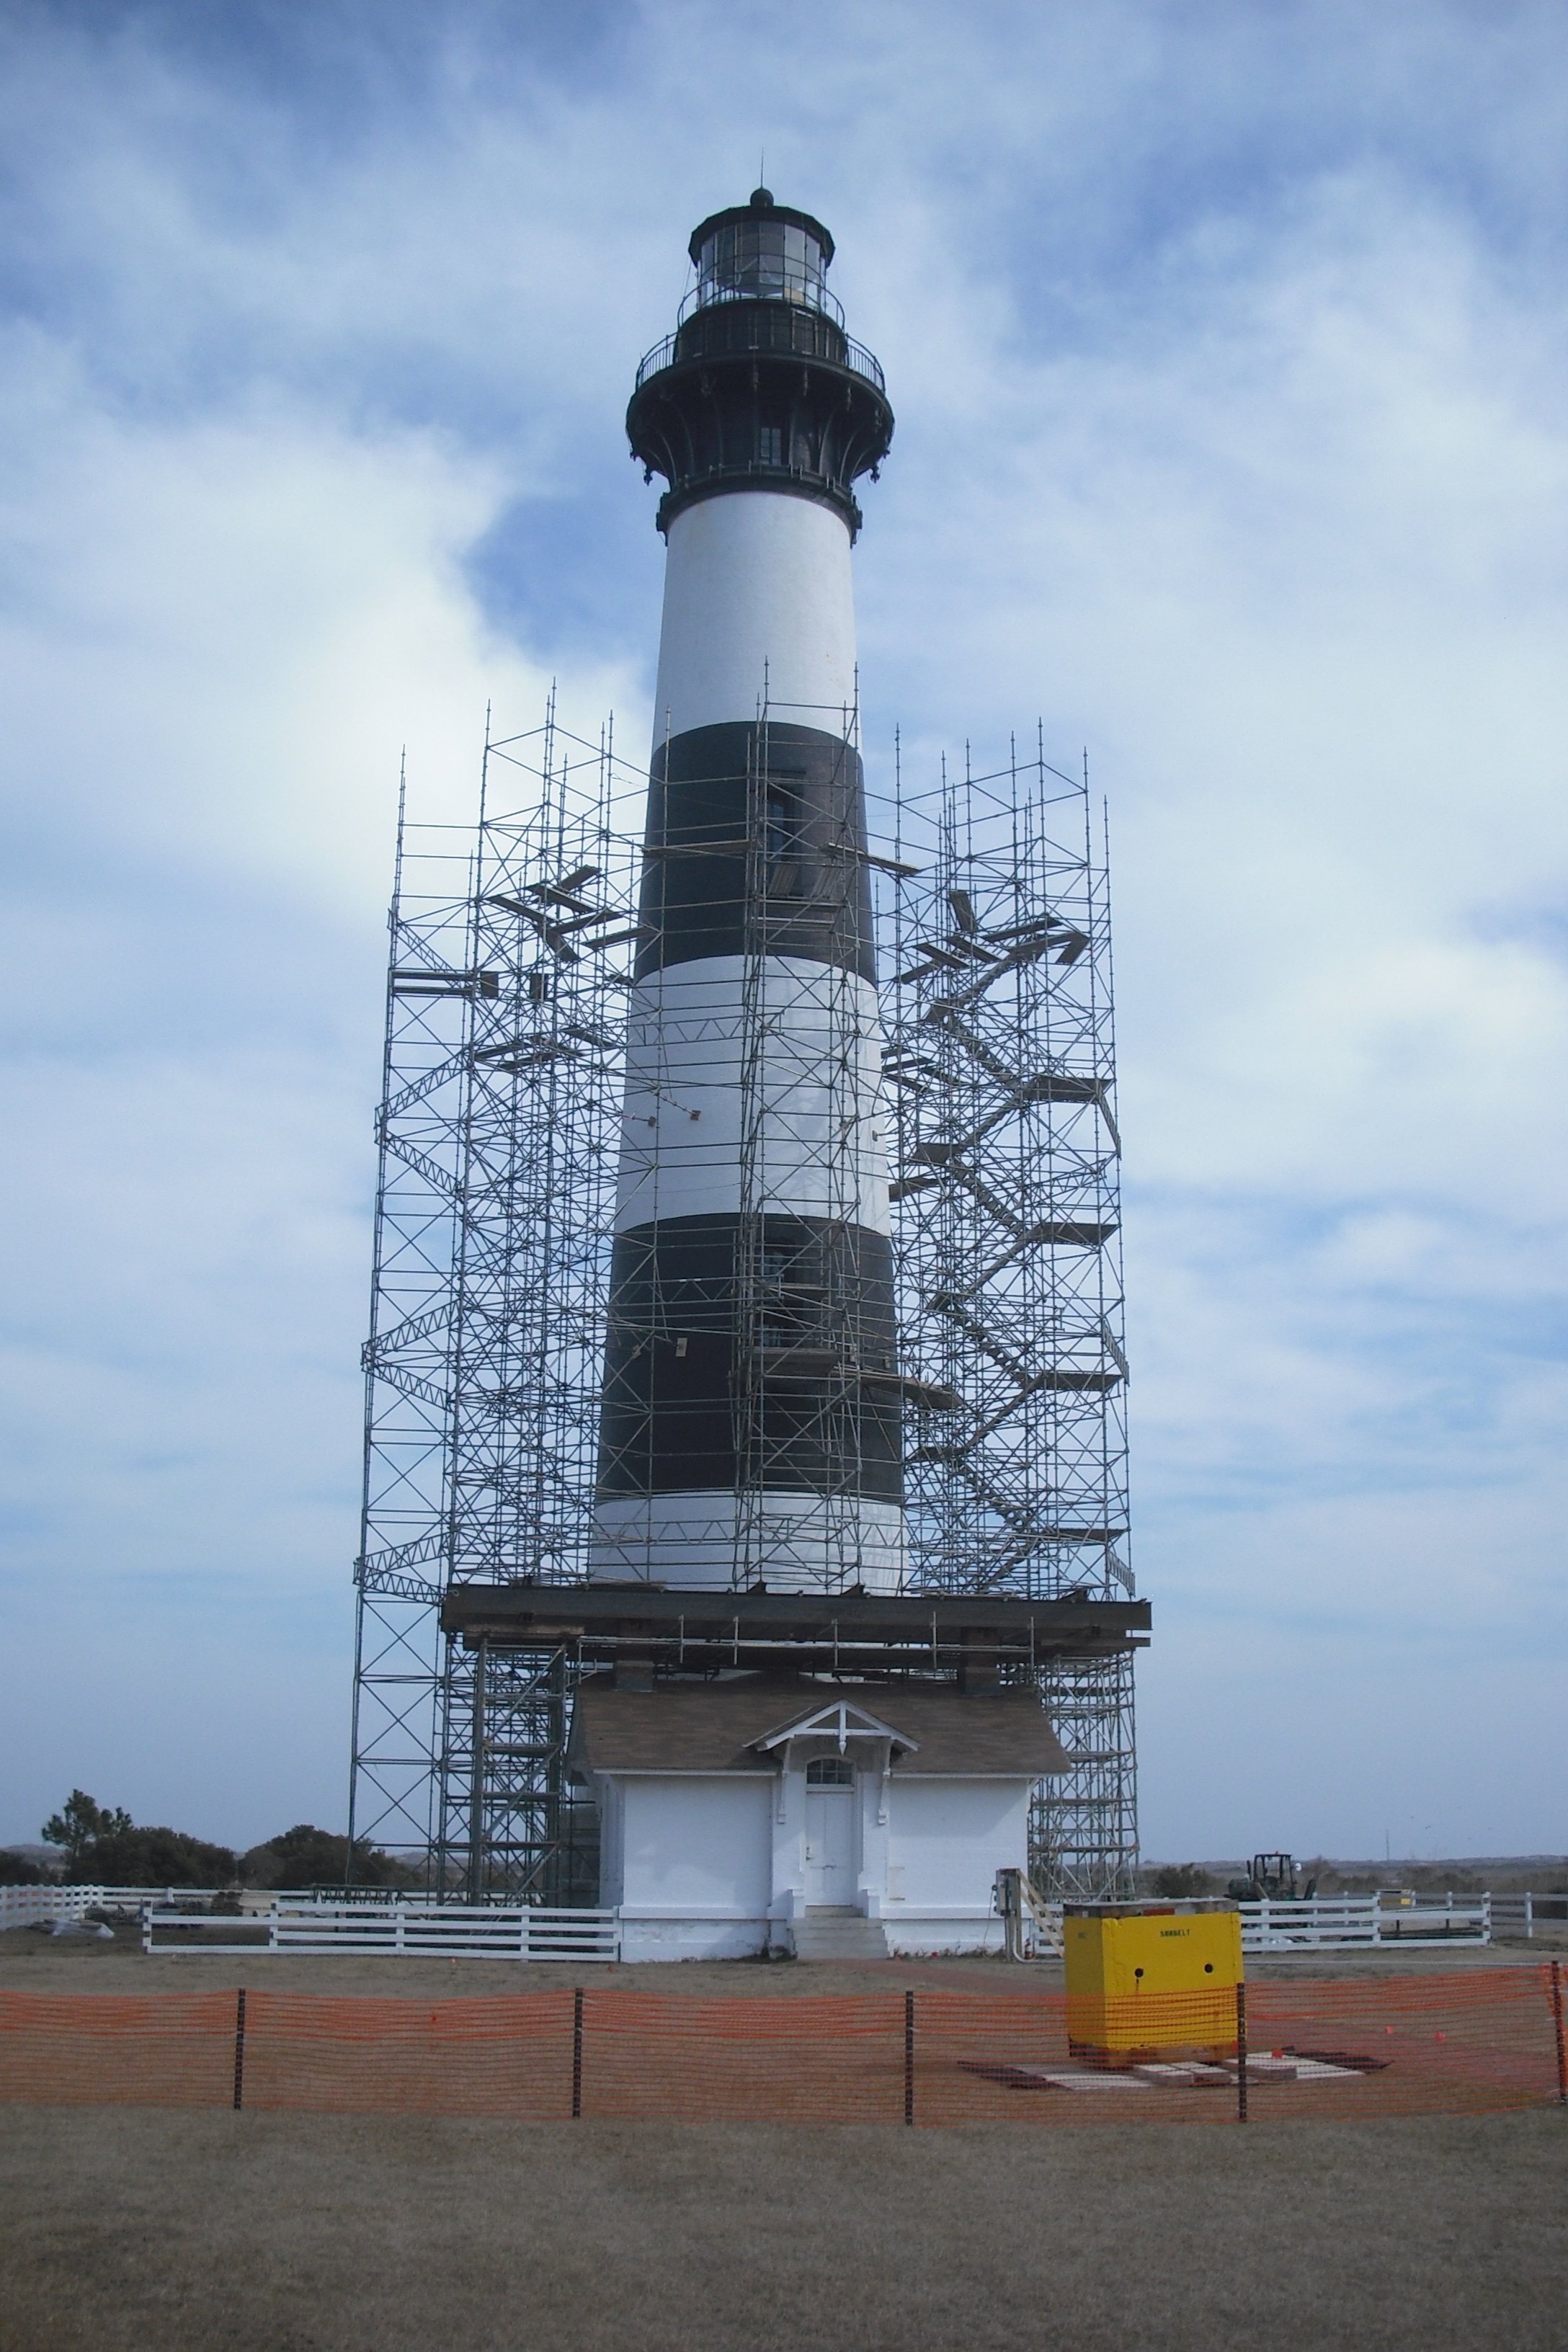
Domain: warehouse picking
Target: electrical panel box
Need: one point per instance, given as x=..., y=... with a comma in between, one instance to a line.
x=1142, y=1981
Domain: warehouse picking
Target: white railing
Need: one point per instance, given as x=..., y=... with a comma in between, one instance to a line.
x=24, y=1907
x=442, y=1930
x=1035, y=1926
x=1520, y=1914
x=1348, y=1919
x=1032, y=1928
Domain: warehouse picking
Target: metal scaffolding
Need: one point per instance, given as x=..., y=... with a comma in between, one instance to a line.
x=498, y=1134
x=1001, y=1067
x=501, y=1091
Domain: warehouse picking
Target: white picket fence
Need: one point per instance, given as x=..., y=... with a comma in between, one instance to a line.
x=437, y=1930
x=1034, y=1929
x=24, y=1907
x=1336, y=1920
x=281, y=1921
x=180, y=1919
x=1518, y=1914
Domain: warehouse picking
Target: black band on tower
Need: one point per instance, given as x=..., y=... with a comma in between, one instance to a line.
x=756, y=841
x=807, y=1326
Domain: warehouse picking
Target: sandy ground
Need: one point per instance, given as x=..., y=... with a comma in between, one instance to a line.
x=45, y=1963
x=128, y=2229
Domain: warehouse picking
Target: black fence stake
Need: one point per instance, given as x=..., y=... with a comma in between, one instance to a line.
x=910, y=2057
x=1241, y=2053
x=1557, y=2019
x=241, y=2047
x=577, y=2052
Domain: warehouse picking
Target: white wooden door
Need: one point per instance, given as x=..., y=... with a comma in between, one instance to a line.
x=830, y=1845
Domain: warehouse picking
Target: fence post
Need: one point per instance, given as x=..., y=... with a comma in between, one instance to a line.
x=1241, y=2053
x=1529, y=1918
x=910, y=2057
x=1557, y=2020
x=577, y=2053
x=241, y=2047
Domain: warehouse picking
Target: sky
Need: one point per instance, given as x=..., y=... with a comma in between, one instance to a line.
x=1227, y=343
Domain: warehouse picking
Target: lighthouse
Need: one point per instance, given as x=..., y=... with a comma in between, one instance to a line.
x=785, y=1747
x=751, y=1428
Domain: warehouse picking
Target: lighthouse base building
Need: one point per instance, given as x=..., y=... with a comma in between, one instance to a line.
x=854, y=1791
x=779, y=1813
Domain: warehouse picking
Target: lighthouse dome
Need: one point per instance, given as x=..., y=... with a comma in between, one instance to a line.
x=760, y=387
x=762, y=252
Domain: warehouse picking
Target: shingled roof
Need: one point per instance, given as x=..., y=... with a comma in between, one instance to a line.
x=713, y=1726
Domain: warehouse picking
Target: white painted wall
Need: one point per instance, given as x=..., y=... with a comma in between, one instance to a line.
x=755, y=583
x=712, y=1867
x=697, y=1844
x=681, y=1140
x=948, y=1839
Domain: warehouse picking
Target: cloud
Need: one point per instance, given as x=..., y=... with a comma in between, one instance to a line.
x=1228, y=346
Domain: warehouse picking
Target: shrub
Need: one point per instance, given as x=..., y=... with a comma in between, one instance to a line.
x=307, y=1856
x=1177, y=1881
x=154, y=1857
x=17, y=1871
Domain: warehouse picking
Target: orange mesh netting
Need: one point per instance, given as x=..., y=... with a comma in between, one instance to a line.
x=1335, y=2048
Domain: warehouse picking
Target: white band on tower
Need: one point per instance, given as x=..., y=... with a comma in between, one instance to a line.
x=757, y=601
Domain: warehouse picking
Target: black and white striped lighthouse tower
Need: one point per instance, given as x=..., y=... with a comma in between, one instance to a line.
x=751, y=1430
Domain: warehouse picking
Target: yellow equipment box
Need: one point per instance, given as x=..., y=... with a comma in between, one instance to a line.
x=1141, y=1981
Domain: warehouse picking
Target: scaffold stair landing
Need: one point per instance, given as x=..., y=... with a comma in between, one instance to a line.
x=836, y=1932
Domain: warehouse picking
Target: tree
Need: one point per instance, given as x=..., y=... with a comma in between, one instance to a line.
x=104, y=1847
x=156, y=1857
x=80, y=1823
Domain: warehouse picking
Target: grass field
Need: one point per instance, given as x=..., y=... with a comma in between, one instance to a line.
x=42, y=1963
x=146, y=2230
x=130, y=2229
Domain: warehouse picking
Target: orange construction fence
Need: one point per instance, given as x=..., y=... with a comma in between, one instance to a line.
x=1334, y=2048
